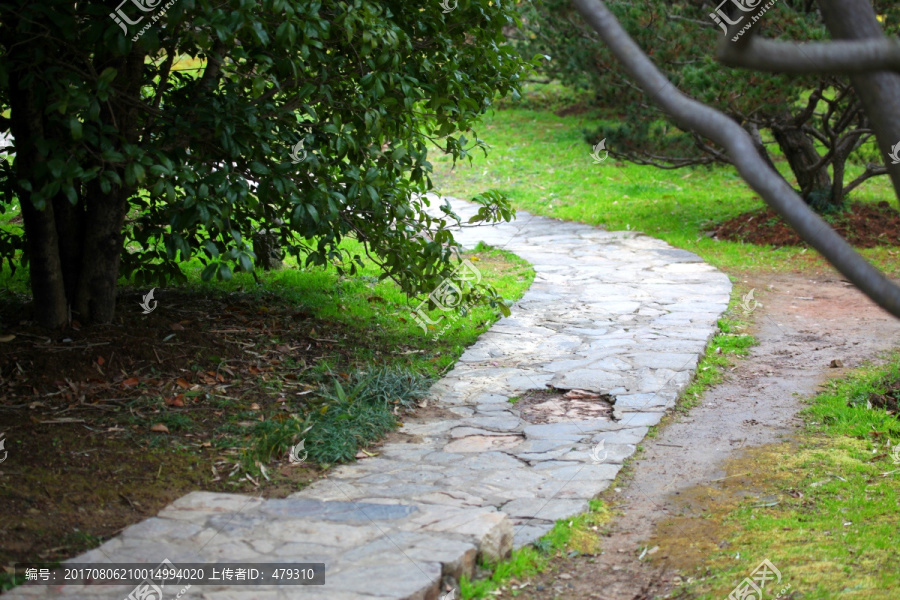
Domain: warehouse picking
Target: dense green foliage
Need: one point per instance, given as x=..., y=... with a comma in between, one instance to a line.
x=187, y=130
x=804, y=118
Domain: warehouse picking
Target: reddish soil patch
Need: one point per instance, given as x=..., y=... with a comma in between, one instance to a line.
x=864, y=225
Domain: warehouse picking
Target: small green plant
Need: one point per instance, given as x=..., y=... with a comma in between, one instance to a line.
x=347, y=415
x=273, y=439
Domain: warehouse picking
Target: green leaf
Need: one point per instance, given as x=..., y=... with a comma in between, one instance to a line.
x=75, y=128
x=210, y=271
x=224, y=272
x=106, y=77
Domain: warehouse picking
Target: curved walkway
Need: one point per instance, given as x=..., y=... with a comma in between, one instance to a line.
x=619, y=314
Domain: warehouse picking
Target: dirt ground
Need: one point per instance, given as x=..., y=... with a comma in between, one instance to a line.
x=804, y=323
x=79, y=410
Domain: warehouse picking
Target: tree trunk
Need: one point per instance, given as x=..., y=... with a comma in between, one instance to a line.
x=74, y=249
x=95, y=298
x=45, y=269
x=70, y=231
x=800, y=151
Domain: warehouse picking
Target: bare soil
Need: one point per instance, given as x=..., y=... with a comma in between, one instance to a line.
x=806, y=326
x=864, y=225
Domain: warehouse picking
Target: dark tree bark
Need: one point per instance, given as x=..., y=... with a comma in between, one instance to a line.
x=800, y=151
x=95, y=298
x=45, y=268
x=70, y=231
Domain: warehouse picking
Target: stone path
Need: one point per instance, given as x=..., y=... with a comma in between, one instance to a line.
x=617, y=313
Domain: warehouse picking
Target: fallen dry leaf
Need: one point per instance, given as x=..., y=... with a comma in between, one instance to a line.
x=254, y=406
x=7, y=338
x=182, y=383
x=176, y=326
x=131, y=382
x=101, y=361
x=177, y=401
x=160, y=428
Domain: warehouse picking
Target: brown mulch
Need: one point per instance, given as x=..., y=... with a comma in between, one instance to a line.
x=865, y=225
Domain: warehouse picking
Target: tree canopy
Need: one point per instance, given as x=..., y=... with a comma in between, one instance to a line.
x=159, y=132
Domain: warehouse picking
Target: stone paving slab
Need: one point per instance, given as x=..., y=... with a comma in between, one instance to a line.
x=616, y=313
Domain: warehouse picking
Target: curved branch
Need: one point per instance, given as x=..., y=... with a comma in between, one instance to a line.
x=840, y=57
x=872, y=170
x=696, y=116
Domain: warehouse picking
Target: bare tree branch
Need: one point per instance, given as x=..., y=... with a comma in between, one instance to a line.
x=872, y=170
x=777, y=193
x=835, y=58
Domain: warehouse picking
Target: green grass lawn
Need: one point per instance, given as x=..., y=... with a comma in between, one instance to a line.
x=543, y=163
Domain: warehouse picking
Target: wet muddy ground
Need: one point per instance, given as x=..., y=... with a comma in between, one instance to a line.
x=809, y=328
